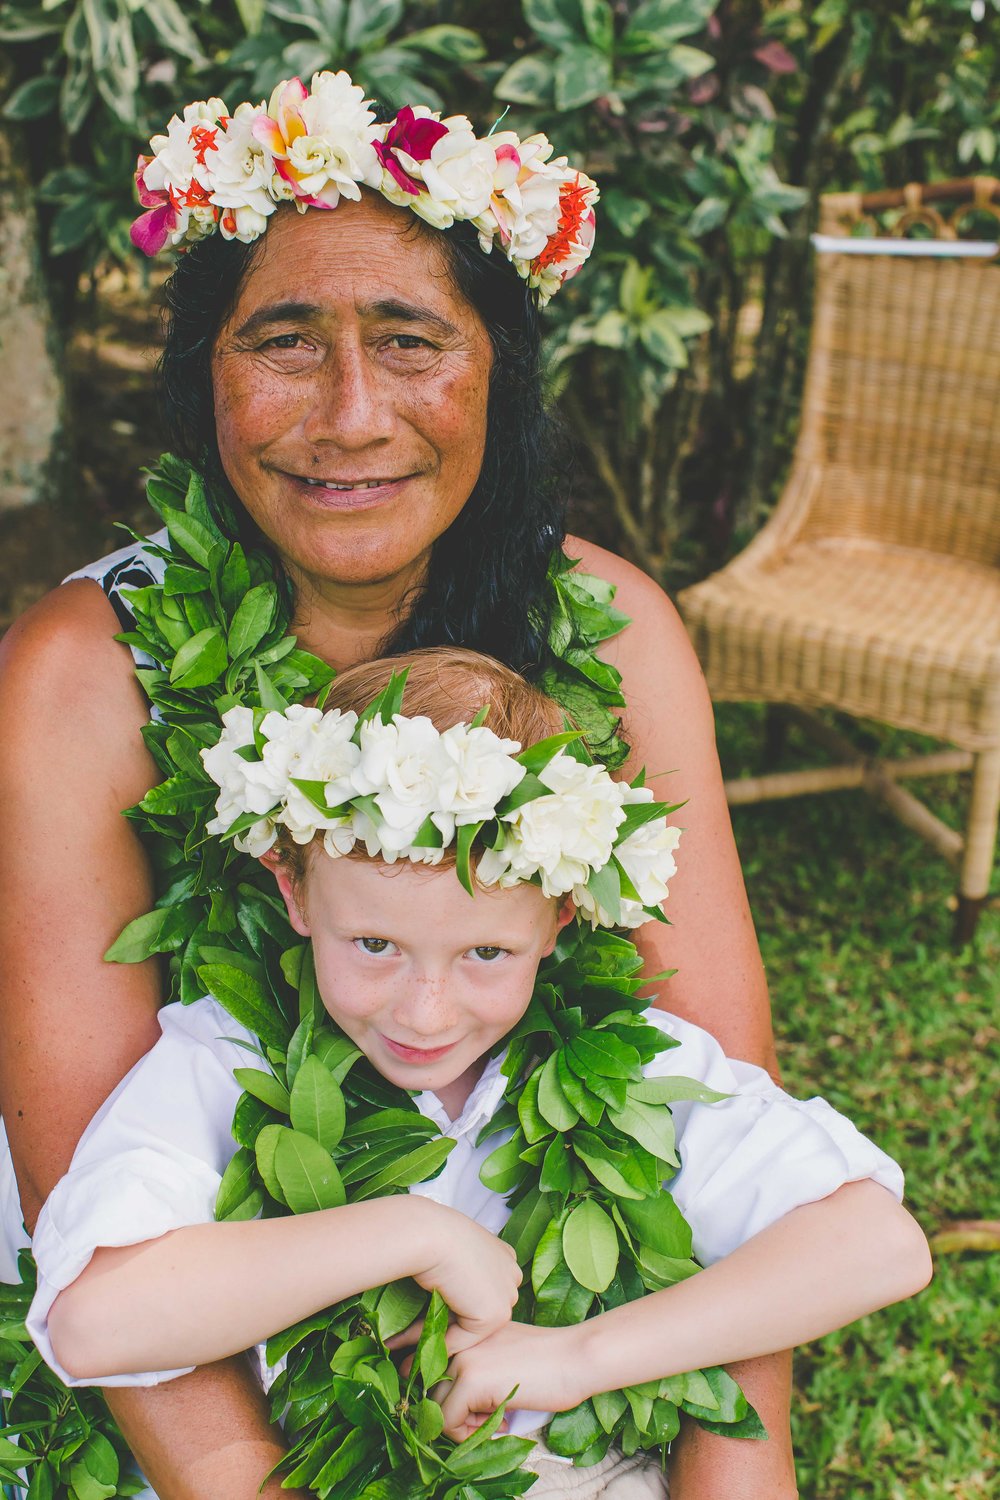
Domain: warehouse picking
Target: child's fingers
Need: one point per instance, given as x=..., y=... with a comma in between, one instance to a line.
x=407, y=1338
x=459, y=1337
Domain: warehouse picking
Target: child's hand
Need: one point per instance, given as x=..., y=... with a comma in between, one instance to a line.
x=475, y=1272
x=543, y=1363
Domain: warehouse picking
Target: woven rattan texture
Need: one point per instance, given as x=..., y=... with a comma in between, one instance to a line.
x=875, y=586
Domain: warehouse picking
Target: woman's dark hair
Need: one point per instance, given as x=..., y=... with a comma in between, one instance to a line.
x=486, y=585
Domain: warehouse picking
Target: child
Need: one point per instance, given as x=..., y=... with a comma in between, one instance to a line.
x=785, y=1199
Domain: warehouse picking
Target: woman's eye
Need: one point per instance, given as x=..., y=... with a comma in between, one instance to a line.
x=283, y=341
x=408, y=341
x=487, y=952
x=373, y=945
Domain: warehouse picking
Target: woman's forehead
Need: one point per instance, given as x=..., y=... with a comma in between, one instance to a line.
x=367, y=256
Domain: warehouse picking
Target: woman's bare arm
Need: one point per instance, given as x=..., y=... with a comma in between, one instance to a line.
x=669, y=724
x=72, y=874
x=720, y=982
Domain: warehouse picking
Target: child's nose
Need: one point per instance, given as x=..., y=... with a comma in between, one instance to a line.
x=426, y=1006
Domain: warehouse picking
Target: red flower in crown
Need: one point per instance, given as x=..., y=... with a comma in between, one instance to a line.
x=417, y=137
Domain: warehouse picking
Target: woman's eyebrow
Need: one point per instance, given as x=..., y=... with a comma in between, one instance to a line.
x=406, y=312
x=277, y=312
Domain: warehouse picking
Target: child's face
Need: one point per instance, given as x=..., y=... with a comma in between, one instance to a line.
x=423, y=977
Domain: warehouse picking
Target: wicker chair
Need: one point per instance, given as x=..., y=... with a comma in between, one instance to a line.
x=874, y=587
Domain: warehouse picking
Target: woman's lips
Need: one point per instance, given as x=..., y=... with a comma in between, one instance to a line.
x=417, y=1054
x=366, y=497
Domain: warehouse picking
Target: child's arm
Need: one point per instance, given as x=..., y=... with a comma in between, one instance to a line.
x=816, y=1269
x=199, y=1294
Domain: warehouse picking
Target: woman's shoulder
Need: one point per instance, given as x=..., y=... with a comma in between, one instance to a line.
x=636, y=594
x=66, y=641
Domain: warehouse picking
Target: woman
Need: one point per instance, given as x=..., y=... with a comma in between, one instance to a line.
x=368, y=387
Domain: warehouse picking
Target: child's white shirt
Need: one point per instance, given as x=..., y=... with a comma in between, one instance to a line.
x=152, y=1158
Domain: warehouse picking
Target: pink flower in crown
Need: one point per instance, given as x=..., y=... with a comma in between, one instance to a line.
x=320, y=139
x=175, y=183
x=415, y=136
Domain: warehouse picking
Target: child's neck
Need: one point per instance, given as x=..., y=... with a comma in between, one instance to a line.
x=454, y=1096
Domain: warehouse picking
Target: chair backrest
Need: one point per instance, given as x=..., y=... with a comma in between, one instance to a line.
x=901, y=412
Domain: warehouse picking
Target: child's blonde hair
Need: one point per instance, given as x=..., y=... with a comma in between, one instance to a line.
x=447, y=685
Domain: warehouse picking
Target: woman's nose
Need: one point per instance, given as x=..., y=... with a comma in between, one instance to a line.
x=351, y=407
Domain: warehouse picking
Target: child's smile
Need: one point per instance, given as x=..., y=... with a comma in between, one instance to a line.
x=423, y=977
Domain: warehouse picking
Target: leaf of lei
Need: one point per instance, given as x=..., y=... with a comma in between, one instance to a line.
x=592, y=1141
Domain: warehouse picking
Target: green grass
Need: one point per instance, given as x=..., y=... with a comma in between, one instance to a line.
x=873, y=1009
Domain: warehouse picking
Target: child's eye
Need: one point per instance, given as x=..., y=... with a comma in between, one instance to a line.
x=374, y=945
x=486, y=952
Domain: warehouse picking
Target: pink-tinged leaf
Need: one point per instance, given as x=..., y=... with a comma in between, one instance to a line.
x=776, y=57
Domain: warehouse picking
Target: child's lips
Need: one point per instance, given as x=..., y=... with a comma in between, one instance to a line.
x=417, y=1054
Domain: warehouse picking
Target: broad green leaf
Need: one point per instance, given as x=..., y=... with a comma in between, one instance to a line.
x=265, y=1149
x=237, y=1183
x=263, y=1086
x=556, y=1174
x=399, y=1305
x=651, y=1125
x=590, y=1246
x=658, y=1223
x=557, y=22
x=572, y=1432
x=201, y=660
x=526, y=1225
x=196, y=539
x=162, y=930
x=245, y=999
x=414, y=1166
x=581, y=75
x=317, y=1104
x=552, y=1102
x=503, y=1169
x=601, y=1162
x=368, y=21
x=529, y=80
x=456, y=43
x=532, y=1123
x=601, y=1052
x=561, y=1299
x=306, y=1173
x=608, y=1407
x=670, y=1089
x=599, y=22
x=253, y=619
x=38, y=96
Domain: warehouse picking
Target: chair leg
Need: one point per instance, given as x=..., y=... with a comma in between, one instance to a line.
x=980, y=844
x=775, y=733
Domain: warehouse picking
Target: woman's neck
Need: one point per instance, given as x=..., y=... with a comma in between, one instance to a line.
x=345, y=623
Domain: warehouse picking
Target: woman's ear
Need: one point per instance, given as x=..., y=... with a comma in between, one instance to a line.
x=291, y=892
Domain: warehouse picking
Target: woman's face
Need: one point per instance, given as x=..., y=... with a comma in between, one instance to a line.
x=351, y=383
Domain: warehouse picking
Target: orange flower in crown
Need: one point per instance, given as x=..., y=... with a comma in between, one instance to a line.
x=213, y=171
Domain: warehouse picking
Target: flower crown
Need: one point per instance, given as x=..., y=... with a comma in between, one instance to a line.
x=228, y=172
x=406, y=790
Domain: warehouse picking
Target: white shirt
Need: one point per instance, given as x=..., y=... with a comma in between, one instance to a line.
x=152, y=1158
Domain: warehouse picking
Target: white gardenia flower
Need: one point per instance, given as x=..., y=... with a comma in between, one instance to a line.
x=404, y=766
x=461, y=170
x=563, y=837
x=228, y=769
x=257, y=839
x=308, y=745
x=338, y=120
x=241, y=171
x=647, y=858
x=485, y=771
x=524, y=207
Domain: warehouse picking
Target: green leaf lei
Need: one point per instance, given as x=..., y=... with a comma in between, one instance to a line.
x=592, y=1140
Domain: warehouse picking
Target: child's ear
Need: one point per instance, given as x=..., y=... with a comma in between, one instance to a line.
x=565, y=914
x=291, y=892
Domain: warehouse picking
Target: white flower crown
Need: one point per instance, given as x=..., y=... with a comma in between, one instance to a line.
x=216, y=171
x=406, y=790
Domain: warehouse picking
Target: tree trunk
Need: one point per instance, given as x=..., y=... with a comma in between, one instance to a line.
x=32, y=415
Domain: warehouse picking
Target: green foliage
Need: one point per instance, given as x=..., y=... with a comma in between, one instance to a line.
x=874, y=1010
x=711, y=128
